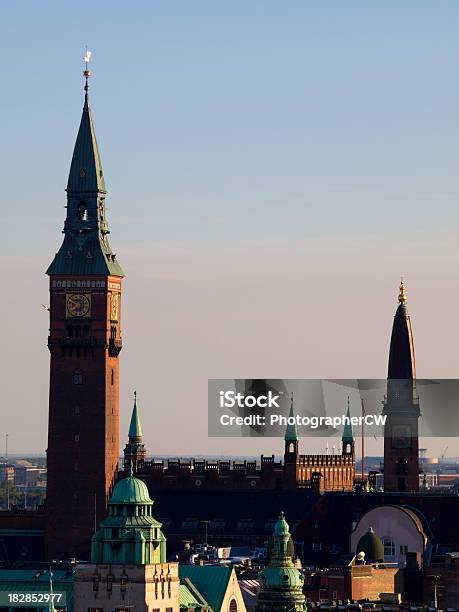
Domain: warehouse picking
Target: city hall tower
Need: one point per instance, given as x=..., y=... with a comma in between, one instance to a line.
x=84, y=343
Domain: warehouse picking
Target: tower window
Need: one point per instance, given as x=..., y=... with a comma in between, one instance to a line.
x=82, y=212
x=113, y=377
x=77, y=378
x=233, y=606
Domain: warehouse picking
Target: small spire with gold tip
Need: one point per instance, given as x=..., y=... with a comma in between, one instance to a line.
x=402, y=292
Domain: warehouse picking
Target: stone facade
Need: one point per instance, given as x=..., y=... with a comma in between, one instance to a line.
x=143, y=588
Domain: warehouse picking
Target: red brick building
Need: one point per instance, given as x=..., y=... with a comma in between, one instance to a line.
x=84, y=343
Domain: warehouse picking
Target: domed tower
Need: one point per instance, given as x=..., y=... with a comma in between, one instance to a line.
x=370, y=549
x=281, y=583
x=134, y=451
x=128, y=568
x=129, y=534
x=401, y=406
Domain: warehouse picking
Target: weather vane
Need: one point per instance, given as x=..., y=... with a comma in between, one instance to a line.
x=87, y=73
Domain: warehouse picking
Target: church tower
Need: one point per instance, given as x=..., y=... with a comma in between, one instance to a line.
x=84, y=343
x=401, y=405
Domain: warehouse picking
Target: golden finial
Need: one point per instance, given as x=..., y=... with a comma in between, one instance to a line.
x=87, y=73
x=402, y=294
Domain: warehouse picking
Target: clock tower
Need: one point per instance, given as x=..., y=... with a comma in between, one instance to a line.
x=401, y=405
x=84, y=343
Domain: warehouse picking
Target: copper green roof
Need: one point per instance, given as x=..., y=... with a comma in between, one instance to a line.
x=281, y=527
x=190, y=597
x=129, y=534
x=130, y=490
x=85, y=249
x=86, y=168
x=135, y=429
x=20, y=581
x=348, y=435
x=291, y=433
x=281, y=583
x=210, y=580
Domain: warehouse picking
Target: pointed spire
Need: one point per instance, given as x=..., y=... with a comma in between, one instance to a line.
x=135, y=429
x=86, y=249
x=291, y=433
x=86, y=168
x=348, y=435
x=401, y=353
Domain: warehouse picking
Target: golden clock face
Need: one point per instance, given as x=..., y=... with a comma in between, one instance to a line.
x=78, y=305
x=114, y=305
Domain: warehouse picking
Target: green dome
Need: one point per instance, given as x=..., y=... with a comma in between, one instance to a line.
x=282, y=578
x=372, y=546
x=130, y=490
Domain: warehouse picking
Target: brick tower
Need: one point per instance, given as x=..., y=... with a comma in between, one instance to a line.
x=401, y=444
x=84, y=343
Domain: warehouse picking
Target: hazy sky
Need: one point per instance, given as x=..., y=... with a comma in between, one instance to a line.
x=272, y=167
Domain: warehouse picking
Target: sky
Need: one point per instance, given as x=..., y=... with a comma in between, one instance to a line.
x=273, y=169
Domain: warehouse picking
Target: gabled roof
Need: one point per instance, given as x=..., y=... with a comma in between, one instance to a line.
x=190, y=597
x=210, y=580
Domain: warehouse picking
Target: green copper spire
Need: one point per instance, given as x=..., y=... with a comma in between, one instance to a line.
x=281, y=582
x=135, y=429
x=86, y=249
x=86, y=168
x=134, y=451
x=348, y=436
x=129, y=534
x=291, y=433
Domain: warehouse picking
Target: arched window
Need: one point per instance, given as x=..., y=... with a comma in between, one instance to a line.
x=233, y=606
x=77, y=378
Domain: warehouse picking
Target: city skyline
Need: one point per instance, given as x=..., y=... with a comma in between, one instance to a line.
x=265, y=284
